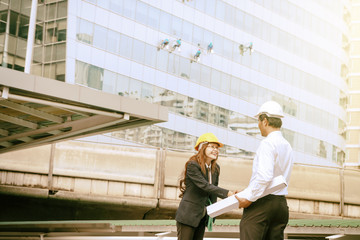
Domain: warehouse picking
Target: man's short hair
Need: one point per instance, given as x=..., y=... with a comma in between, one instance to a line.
x=274, y=122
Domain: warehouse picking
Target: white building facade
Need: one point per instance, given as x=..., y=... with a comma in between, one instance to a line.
x=299, y=58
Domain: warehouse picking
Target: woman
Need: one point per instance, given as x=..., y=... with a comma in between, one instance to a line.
x=200, y=188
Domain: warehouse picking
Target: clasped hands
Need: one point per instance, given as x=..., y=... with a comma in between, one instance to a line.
x=243, y=202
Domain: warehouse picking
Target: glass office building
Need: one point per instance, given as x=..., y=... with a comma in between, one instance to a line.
x=293, y=52
x=50, y=36
x=353, y=126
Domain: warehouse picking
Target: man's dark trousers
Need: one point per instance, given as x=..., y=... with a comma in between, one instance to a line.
x=265, y=219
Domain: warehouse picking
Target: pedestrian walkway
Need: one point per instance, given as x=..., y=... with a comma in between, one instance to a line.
x=343, y=229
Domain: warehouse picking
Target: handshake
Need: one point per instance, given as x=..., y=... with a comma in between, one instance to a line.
x=237, y=199
x=243, y=202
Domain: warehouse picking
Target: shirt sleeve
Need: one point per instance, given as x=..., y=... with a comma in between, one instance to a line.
x=264, y=171
x=195, y=175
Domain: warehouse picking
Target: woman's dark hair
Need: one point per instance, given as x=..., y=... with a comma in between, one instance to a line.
x=199, y=157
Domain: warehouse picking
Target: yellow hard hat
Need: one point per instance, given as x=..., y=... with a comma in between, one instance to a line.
x=209, y=138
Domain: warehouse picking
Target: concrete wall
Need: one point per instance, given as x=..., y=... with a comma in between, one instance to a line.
x=148, y=178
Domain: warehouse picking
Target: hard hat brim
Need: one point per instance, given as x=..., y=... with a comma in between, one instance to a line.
x=197, y=146
x=269, y=115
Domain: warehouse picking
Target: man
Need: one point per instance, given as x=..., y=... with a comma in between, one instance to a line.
x=177, y=44
x=267, y=217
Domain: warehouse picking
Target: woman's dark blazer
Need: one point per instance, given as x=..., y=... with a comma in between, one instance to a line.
x=198, y=191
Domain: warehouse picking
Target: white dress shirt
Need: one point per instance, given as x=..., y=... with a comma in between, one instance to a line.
x=274, y=157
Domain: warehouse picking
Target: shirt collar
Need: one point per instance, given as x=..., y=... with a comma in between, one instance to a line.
x=274, y=133
x=208, y=166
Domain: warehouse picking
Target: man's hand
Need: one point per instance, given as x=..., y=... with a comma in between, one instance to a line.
x=243, y=202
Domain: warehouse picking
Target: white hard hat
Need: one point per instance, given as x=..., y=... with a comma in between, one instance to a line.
x=271, y=109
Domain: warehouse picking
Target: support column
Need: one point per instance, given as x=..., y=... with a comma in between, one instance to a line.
x=160, y=172
x=342, y=191
x=31, y=36
x=6, y=43
x=51, y=169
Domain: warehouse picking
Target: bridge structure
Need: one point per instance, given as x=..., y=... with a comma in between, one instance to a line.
x=87, y=180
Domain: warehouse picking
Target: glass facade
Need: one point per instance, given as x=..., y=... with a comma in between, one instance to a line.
x=277, y=70
x=14, y=20
x=50, y=36
x=102, y=79
x=199, y=73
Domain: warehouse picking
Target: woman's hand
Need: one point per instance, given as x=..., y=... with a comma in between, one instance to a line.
x=230, y=193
